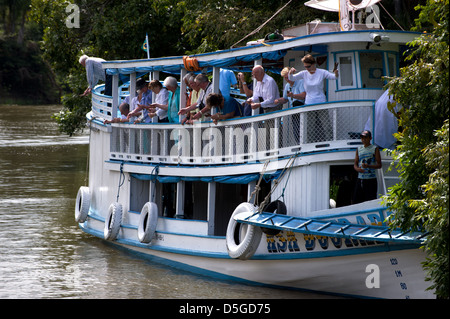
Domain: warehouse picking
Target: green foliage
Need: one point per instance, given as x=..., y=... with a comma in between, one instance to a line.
x=433, y=210
x=72, y=117
x=24, y=76
x=113, y=30
x=220, y=24
x=419, y=200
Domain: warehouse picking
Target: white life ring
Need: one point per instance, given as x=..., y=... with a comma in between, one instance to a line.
x=242, y=241
x=113, y=221
x=147, y=222
x=82, y=204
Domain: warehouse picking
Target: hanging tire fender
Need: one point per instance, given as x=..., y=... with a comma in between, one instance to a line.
x=113, y=221
x=147, y=222
x=242, y=239
x=82, y=204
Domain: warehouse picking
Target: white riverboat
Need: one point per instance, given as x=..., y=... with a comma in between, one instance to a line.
x=190, y=195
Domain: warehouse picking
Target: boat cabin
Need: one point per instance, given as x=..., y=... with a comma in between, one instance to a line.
x=203, y=171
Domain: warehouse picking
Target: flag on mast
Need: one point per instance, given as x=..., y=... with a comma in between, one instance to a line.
x=146, y=47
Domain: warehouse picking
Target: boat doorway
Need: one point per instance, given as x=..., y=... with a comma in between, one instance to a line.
x=342, y=184
x=228, y=197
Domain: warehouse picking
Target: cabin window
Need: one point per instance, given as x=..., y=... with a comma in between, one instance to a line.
x=196, y=200
x=228, y=197
x=392, y=64
x=168, y=199
x=139, y=194
x=347, y=76
x=372, y=70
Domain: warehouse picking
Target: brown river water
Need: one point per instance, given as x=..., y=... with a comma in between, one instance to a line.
x=43, y=253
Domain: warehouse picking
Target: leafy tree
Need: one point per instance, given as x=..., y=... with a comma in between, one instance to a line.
x=214, y=25
x=110, y=29
x=420, y=200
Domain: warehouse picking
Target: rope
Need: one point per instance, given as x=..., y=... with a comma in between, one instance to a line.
x=275, y=183
x=122, y=175
x=86, y=176
x=390, y=16
x=155, y=169
x=375, y=14
x=262, y=25
x=257, y=186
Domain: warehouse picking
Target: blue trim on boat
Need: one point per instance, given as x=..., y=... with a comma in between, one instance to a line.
x=272, y=256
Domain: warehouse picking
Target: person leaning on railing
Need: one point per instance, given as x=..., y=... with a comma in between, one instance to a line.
x=173, y=105
x=124, y=109
x=173, y=100
x=159, y=108
x=225, y=109
x=192, y=95
x=94, y=73
x=293, y=92
x=138, y=112
x=207, y=88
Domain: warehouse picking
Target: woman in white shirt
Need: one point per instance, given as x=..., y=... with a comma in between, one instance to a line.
x=159, y=108
x=313, y=79
x=319, y=121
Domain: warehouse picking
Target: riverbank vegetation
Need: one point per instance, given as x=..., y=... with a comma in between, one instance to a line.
x=420, y=200
x=25, y=76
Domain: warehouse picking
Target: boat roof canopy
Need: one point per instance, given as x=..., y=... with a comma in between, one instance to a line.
x=241, y=59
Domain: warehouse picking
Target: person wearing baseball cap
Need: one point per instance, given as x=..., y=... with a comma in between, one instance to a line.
x=367, y=160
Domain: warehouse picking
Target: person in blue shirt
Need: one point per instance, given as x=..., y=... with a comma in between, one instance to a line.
x=224, y=110
x=294, y=92
x=138, y=113
x=227, y=79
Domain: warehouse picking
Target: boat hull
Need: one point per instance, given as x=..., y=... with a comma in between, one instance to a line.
x=363, y=271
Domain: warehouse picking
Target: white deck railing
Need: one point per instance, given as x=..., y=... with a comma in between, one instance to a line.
x=328, y=126
x=102, y=104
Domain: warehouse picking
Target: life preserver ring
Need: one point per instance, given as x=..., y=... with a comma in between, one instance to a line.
x=191, y=64
x=82, y=204
x=280, y=208
x=147, y=222
x=242, y=241
x=113, y=221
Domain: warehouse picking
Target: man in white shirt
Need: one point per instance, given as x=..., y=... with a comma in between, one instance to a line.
x=265, y=91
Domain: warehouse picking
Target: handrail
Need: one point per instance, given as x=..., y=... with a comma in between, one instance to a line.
x=327, y=126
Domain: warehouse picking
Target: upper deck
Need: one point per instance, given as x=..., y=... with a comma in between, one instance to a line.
x=364, y=57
